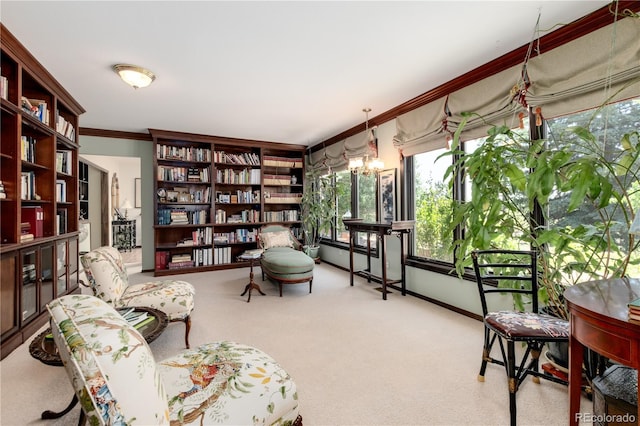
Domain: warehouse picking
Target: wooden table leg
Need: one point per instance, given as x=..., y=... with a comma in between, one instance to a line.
x=576, y=351
x=252, y=285
x=383, y=266
x=352, y=243
x=48, y=414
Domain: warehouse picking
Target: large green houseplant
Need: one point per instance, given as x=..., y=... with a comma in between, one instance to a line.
x=317, y=210
x=592, y=179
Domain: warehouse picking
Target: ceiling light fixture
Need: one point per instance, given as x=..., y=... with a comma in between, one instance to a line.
x=366, y=166
x=134, y=75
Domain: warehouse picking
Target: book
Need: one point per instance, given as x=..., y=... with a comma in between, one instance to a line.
x=26, y=237
x=34, y=216
x=161, y=259
x=125, y=311
x=146, y=321
x=136, y=317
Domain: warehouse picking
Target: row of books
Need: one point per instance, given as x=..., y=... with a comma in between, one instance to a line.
x=237, y=236
x=64, y=162
x=61, y=221
x=164, y=260
x=183, y=174
x=37, y=108
x=281, y=216
x=282, y=198
x=61, y=191
x=274, y=161
x=239, y=196
x=4, y=87
x=65, y=128
x=245, y=216
x=248, y=158
x=182, y=217
x=245, y=176
x=200, y=236
x=182, y=153
x=28, y=148
x=28, y=185
x=634, y=310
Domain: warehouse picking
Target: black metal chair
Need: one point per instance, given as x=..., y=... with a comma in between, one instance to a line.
x=515, y=272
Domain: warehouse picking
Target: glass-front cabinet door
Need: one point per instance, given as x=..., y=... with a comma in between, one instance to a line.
x=47, y=274
x=73, y=264
x=8, y=288
x=61, y=267
x=29, y=291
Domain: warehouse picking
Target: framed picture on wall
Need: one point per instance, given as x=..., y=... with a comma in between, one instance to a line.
x=387, y=195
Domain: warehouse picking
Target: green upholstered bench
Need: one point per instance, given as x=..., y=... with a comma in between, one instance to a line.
x=282, y=260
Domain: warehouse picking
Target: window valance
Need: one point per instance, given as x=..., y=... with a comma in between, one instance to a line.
x=422, y=129
x=496, y=100
x=603, y=66
x=336, y=156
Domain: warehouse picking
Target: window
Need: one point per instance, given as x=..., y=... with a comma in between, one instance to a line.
x=433, y=197
x=366, y=206
x=608, y=126
x=432, y=206
x=363, y=208
x=343, y=204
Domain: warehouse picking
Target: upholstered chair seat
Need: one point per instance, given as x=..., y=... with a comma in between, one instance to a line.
x=118, y=381
x=109, y=281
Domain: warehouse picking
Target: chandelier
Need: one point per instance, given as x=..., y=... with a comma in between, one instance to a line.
x=370, y=163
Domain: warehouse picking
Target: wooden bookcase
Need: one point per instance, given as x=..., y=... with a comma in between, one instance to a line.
x=39, y=205
x=205, y=222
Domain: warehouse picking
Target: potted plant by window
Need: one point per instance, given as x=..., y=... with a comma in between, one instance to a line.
x=317, y=210
x=572, y=199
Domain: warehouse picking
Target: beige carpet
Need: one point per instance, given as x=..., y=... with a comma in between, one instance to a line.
x=356, y=359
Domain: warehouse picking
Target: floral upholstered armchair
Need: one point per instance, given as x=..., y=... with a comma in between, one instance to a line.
x=109, y=281
x=118, y=382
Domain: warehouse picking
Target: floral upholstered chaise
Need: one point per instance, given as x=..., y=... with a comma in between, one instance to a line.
x=109, y=281
x=118, y=382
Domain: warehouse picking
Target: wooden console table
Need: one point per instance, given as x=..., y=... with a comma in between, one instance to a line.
x=400, y=228
x=599, y=320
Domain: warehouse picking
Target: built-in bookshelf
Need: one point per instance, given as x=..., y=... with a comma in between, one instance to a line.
x=217, y=187
x=39, y=181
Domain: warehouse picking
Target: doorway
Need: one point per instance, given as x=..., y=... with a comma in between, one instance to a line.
x=103, y=171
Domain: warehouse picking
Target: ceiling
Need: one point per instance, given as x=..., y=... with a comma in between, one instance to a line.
x=296, y=71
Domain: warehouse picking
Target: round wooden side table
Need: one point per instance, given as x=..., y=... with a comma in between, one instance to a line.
x=252, y=284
